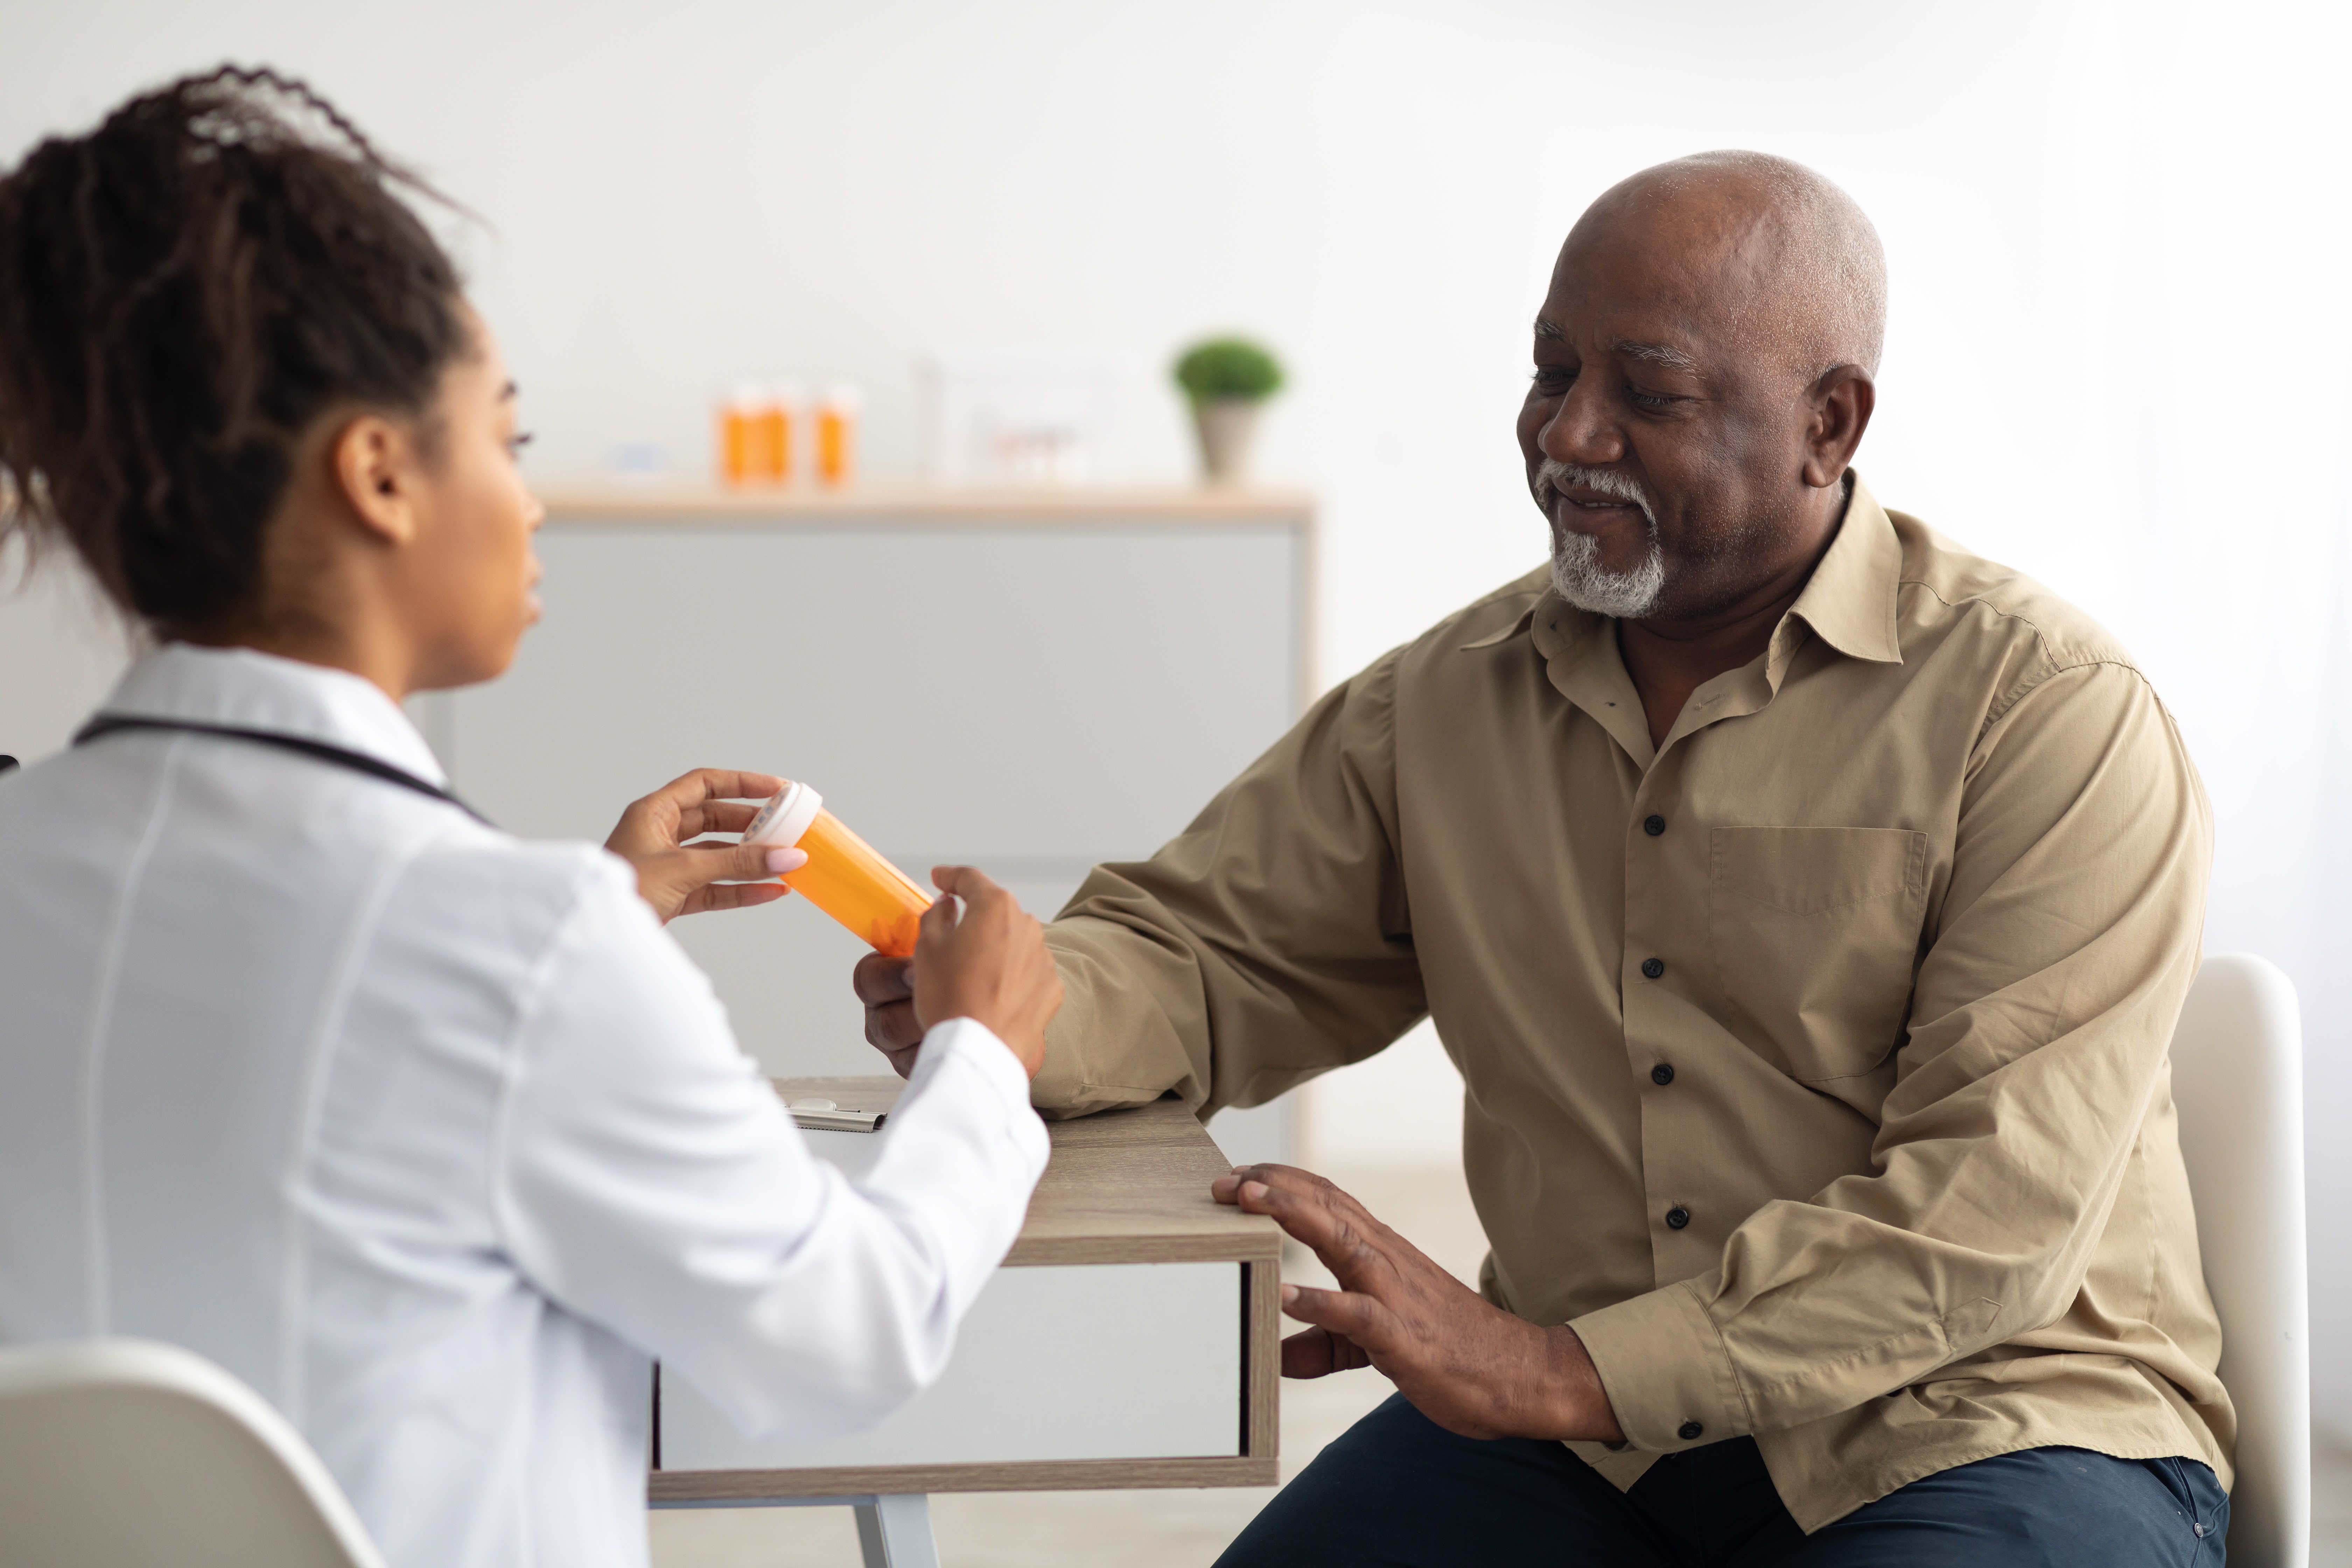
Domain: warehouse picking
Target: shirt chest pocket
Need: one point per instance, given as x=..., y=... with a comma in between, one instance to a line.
x=1815, y=931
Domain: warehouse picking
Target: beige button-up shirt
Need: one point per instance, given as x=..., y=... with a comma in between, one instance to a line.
x=1815, y=1059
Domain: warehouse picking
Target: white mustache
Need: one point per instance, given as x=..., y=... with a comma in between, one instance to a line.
x=1553, y=473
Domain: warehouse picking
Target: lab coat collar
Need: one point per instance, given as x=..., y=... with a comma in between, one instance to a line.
x=253, y=690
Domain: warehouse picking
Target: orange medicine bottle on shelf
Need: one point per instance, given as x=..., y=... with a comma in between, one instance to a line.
x=745, y=437
x=837, y=435
x=843, y=876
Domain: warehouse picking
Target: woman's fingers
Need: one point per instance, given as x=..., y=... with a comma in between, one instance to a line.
x=731, y=895
x=653, y=832
x=756, y=863
x=713, y=877
x=689, y=789
x=715, y=817
x=679, y=878
x=738, y=862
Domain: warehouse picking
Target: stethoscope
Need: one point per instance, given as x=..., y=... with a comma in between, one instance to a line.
x=317, y=751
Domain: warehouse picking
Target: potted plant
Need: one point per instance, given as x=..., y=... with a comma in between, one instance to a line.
x=1226, y=380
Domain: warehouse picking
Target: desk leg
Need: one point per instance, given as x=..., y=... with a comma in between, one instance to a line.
x=895, y=1531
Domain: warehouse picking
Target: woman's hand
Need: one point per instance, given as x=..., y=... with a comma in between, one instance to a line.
x=678, y=878
x=990, y=965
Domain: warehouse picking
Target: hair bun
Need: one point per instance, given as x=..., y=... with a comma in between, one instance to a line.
x=183, y=291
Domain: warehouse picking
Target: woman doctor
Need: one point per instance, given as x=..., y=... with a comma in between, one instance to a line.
x=430, y=1135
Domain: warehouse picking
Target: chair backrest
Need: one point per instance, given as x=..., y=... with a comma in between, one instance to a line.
x=2237, y=1082
x=137, y=1454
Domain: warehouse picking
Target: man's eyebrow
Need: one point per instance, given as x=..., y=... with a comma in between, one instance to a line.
x=507, y=393
x=1544, y=329
x=1657, y=353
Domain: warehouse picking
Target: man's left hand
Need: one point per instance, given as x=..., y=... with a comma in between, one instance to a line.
x=680, y=877
x=1467, y=1365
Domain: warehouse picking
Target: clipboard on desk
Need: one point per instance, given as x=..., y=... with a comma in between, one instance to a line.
x=839, y=1104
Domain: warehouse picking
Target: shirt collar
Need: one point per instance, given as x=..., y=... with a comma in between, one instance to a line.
x=253, y=690
x=1519, y=624
x=1849, y=601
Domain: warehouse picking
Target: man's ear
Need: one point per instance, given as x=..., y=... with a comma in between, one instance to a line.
x=1842, y=401
x=374, y=465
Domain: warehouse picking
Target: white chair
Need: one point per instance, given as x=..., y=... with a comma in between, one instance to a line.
x=134, y=1454
x=2237, y=1080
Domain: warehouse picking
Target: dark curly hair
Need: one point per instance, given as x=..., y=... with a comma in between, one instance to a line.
x=183, y=292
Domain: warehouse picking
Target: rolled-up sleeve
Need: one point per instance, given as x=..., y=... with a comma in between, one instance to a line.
x=1269, y=942
x=2042, y=1014
x=648, y=1178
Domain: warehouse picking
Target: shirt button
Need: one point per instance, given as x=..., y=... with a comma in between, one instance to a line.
x=1677, y=1217
x=1689, y=1431
x=1652, y=967
x=1654, y=825
x=1662, y=1074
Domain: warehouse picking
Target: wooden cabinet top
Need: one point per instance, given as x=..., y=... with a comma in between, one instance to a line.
x=928, y=504
x=1122, y=1186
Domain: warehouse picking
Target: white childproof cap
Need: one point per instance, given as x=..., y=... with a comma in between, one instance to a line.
x=785, y=817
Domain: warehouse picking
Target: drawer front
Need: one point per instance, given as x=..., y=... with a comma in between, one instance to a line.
x=1045, y=1368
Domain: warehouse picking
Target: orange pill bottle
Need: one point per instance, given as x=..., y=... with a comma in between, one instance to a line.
x=744, y=437
x=843, y=876
x=735, y=440
x=837, y=435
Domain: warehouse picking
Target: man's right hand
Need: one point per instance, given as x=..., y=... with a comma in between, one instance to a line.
x=990, y=965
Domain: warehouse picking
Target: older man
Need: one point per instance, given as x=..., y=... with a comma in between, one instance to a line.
x=1807, y=903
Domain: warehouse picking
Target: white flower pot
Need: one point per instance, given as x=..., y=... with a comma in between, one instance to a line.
x=1227, y=426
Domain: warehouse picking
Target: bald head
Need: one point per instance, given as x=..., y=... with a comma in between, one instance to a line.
x=1792, y=267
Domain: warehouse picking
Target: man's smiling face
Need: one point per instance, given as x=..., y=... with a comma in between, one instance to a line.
x=1663, y=430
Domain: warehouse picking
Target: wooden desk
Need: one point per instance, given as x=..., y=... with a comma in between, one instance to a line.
x=1133, y=1314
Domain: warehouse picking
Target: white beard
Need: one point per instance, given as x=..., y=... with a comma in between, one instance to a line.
x=1577, y=577
x=1576, y=573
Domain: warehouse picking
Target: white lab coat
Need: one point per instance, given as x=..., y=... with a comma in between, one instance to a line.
x=434, y=1136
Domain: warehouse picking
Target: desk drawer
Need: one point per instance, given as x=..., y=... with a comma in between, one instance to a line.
x=1107, y=1361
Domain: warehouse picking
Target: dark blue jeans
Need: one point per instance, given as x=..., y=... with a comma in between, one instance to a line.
x=1398, y=1489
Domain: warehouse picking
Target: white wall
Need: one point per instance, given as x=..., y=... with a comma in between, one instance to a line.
x=2116, y=231
x=675, y=196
